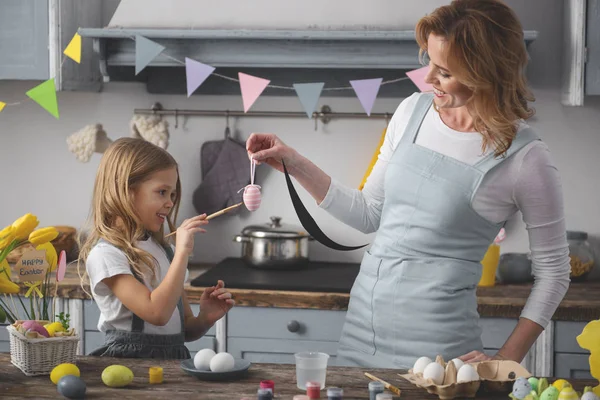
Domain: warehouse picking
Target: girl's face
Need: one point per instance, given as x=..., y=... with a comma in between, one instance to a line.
x=449, y=92
x=153, y=199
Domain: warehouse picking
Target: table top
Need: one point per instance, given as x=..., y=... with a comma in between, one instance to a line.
x=177, y=384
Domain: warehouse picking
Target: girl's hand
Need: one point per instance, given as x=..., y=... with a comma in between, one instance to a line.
x=215, y=302
x=185, y=233
x=268, y=148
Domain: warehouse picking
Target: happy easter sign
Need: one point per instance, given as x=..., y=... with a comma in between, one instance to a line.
x=32, y=266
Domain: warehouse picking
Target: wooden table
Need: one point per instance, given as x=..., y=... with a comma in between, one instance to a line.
x=177, y=384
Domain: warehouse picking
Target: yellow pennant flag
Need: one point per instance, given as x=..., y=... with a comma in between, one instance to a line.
x=2, y=105
x=73, y=50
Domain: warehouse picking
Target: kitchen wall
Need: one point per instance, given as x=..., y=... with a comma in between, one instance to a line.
x=41, y=176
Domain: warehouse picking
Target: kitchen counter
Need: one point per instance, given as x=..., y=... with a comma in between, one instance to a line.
x=581, y=303
x=177, y=384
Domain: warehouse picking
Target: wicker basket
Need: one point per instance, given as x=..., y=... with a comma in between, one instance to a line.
x=40, y=356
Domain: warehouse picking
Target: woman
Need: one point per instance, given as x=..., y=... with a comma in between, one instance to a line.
x=454, y=167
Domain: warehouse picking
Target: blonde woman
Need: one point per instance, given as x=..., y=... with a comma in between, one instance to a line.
x=136, y=278
x=455, y=165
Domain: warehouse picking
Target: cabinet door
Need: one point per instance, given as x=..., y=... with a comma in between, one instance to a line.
x=592, y=67
x=572, y=366
x=277, y=351
x=24, y=39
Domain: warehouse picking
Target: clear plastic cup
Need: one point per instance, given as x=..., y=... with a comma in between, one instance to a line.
x=311, y=367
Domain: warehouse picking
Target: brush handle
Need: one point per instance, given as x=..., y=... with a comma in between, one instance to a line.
x=211, y=216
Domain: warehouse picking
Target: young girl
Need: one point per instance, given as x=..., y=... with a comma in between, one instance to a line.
x=136, y=278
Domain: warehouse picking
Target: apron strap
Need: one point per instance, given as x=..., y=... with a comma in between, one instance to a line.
x=137, y=324
x=524, y=137
x=416, y=119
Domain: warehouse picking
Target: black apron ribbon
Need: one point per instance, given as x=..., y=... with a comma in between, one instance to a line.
x=307, y=220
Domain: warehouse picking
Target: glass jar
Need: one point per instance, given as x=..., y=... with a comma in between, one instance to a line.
x=580, y=252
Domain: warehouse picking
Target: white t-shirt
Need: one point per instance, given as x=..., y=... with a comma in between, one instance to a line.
x=105, y=261
x=527, y=182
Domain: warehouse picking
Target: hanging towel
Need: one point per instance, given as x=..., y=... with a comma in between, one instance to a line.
x=373, y=161
x=228, y=173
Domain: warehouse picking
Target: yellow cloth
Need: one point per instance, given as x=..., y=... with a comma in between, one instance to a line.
x=373, y=161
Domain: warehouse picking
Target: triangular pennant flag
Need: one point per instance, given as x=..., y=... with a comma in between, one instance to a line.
x=195, y=74
x=366, y=91
x=2, y=105
x=251, y=87
x=45, y=95
x=145, y=51
x=73, y=50
x=417, y=76
x=309, y=94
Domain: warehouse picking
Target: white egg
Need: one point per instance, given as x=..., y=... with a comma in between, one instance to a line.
x=467, y=373
x=202, y=359
x=435, y=372
x=589, y=396
x=222, y=362
x=420, y=365
x=457, y=363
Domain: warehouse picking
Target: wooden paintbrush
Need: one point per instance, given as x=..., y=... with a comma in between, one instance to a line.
x=211, y=216
x=389, y=387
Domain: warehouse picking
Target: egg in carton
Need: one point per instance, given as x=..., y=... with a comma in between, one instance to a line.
x=442, y=379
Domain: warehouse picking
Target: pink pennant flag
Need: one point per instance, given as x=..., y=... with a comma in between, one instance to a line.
x=417, y=76
x=366, y=91
x=62, y=266
x=195, y=74
x=251, y=87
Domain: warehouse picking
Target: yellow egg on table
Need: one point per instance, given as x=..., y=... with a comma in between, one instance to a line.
x=568, y=394
x=63, y=369
x=560, y=384
x=54, y=327
x=117, y=376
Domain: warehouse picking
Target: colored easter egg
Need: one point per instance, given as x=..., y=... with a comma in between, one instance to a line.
x=252, y=197
x=117, y=376
x=62, y=370
x=71, y=387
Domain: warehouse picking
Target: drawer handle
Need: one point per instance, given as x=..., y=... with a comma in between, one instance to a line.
x=293, y=326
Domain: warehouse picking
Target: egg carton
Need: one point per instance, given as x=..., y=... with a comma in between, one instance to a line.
x=494, y=376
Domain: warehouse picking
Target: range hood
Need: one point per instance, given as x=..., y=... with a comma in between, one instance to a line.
x=279, y=55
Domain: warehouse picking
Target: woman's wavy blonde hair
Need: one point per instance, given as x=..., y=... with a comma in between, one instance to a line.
x=126, y=163
x=486, y=52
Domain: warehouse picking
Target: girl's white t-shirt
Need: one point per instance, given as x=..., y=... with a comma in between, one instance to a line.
x=105, y=261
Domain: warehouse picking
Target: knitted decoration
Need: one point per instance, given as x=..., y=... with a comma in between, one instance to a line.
x=153, y=129
x=86, y=141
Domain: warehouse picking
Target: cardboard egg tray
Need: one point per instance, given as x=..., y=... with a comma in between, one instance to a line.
x=494, y=376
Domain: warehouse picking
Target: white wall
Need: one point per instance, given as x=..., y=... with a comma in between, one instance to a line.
x=40, y=176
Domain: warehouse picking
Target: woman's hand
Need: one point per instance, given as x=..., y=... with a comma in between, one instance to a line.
x=268, y=148
x=215, y=302
x=185, y=234
x=477, y=356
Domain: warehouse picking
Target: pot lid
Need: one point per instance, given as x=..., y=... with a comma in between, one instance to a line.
x=275, y=229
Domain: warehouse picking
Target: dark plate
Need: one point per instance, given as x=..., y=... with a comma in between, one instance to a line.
x=240, y=370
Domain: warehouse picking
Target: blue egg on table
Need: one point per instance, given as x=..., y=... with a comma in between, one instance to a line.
x=71, y=387
x=521, y=388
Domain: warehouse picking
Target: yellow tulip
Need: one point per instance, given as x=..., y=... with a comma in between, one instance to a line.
x=43, y=235
x=8, y=287
x=7, y=235
x=25, y=225
x=5, y=269
x=51, y=255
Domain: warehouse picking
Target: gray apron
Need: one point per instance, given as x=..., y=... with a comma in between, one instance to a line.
x=415, y=294
x=137, y=344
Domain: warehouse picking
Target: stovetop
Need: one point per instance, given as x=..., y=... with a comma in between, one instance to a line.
x=315, y=276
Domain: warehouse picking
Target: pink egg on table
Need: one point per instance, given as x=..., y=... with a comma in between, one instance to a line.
x=252, y=197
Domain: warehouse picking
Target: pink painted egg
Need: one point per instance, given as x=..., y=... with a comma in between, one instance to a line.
x=252, y=197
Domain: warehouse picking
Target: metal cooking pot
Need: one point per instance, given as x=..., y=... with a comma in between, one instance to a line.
x=274, y=245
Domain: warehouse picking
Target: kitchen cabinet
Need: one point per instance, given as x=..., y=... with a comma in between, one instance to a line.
x=570, y=360
x=24, y=39
x=93, y=338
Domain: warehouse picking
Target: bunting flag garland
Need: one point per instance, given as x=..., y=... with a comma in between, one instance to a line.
x=309, y=94
x=251, y=87
x=366, y=91
x=195, y=74
x=73, y=50
x=145, y=51
x=45, y=95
